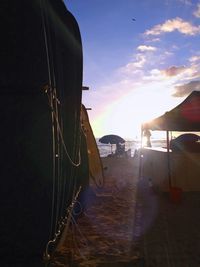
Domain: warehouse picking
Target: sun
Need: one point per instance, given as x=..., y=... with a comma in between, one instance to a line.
x=126, y=115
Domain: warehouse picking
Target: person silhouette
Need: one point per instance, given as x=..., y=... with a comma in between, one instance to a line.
x=147, y=134
x=120, y=149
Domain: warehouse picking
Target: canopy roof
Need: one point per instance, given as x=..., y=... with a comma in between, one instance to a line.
x=184, y=117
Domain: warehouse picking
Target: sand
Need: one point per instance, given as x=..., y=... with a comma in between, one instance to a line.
x=129, y=223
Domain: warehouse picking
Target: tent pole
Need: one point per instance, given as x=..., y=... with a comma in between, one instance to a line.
x=140, y=154
x=168, y=161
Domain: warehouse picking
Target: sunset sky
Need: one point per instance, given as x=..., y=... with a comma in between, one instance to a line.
x=141, y=58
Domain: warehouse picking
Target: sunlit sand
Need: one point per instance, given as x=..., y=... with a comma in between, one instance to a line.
x=104, y=233
x=129, y=223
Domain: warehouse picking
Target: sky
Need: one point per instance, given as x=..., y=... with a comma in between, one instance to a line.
x=140, y=59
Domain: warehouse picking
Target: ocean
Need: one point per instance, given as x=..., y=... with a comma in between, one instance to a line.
x=106, y=149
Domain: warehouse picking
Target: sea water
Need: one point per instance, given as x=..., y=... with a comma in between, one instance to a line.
x=133, y=145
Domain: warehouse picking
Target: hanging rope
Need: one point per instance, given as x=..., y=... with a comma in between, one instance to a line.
x=58, y=145
x=59, y=128
x=64, y=223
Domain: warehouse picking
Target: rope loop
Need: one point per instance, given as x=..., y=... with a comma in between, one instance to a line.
x=51, y=94
x=64, y=223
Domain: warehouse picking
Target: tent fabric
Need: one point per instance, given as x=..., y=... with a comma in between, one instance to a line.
x=38, y=181
x=184, y=117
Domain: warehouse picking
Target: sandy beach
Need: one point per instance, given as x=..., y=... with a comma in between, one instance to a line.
x=128, y=223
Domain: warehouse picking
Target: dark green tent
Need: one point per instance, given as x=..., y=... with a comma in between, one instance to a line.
x=41, y=90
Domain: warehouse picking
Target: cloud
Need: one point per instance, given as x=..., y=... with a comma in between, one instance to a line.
x=154, y=75
x=134, y=66
x=140, y=61
x=153, y=40
x=176, y=24
x=174, y=71
x=194, y=70
x=194, y=59
x=197, y=12
x=185, y=89
x=182, y=73
x=144, y=48
x=168, y=53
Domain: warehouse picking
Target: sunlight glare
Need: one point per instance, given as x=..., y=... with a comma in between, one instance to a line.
x=126, y=115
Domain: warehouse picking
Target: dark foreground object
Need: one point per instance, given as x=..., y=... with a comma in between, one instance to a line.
x=40, y=89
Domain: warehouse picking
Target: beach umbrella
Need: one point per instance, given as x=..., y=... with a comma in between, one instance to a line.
x=111, y=139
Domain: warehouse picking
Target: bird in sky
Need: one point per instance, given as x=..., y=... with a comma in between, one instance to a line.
x=134, y=19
